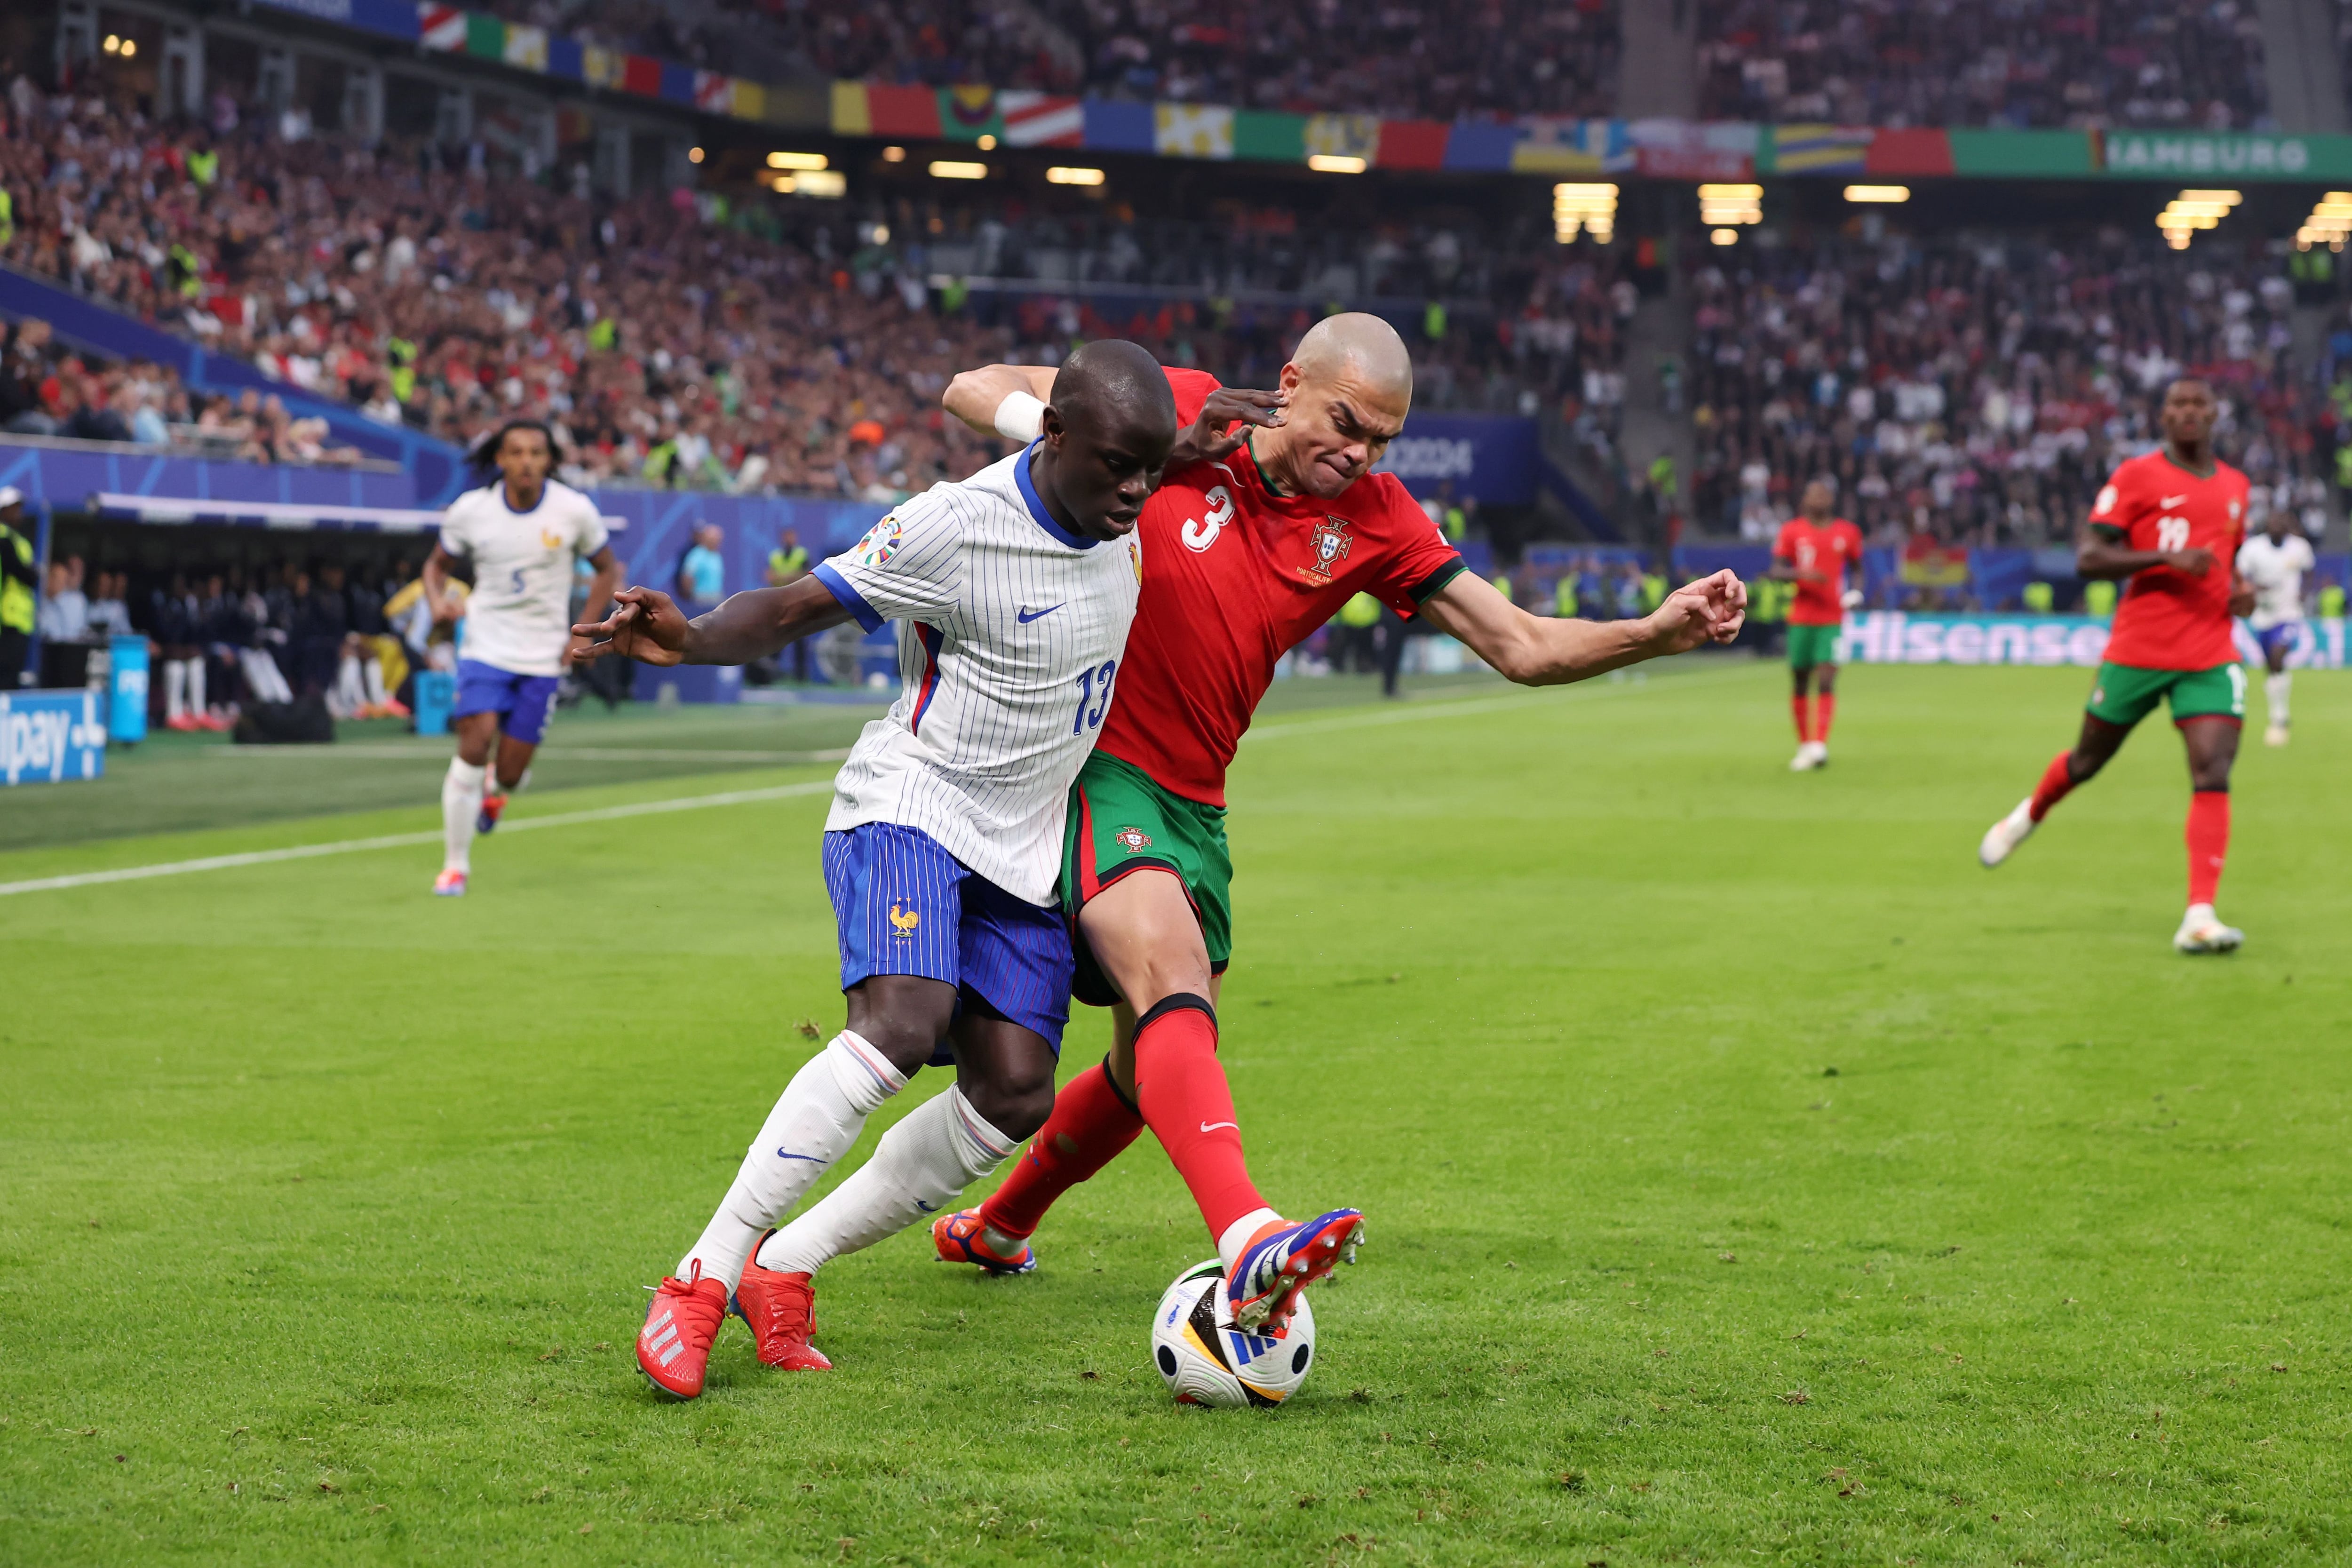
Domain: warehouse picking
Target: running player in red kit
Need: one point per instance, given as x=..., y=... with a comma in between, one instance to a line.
x=1815, y=551
x=1244, y=554
x=2170, y=521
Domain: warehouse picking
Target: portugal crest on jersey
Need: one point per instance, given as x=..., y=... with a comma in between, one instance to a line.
x=1330, y=542
x=1134, y=840
x=880, y=543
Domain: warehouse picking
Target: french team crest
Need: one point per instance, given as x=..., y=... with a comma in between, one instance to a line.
x=1134, y=840
x=550, y=540
x=1330, y=542
x=880, y=543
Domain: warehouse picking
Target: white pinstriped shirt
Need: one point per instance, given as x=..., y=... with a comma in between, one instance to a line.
x=1010, y=633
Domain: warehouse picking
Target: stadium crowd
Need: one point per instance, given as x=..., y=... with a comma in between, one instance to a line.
x=1984, y=62
x=1982, y=393
x=680, y=344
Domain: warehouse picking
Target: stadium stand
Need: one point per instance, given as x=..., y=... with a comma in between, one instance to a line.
x=1983, y=62
x=1981, y=393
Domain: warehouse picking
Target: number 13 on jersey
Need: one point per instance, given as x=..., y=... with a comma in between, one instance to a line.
x=1094, y=696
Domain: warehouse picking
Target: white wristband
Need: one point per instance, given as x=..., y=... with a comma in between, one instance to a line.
x=1021, y=417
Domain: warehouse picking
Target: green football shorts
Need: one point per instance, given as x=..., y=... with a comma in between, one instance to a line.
x=1810, y=646
x=1121, y=821
x=2125, y=695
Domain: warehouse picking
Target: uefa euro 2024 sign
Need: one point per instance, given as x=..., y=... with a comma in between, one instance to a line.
x=49, y=736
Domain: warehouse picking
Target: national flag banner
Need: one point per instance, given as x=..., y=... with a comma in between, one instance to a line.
x=1343, y=136
x=526, y=46
x=853, y=113
x=1269, y=136
x=1192, y=131
x=1119, y=125
x=1554, y=146
x=1692, y=150
x=1928, y=563
x=641, y=74
x=565, y=58
x=714, y=92
x=441, y=27
x=1816, y=149
x=748, y=101
x=677, y=82
x=1042, y=120
x=912, y=113
x=601, y=67
x=1412, y=144
x=1911, y=151
x=969, y=112
x=486, y=36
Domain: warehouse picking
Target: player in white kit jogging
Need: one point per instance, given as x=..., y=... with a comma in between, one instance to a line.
x=1012, y=591
x=2274, y=562
x=523, y=535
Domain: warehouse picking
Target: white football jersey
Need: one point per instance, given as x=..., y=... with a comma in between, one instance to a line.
x=519, y=615
x=1010, y=635
x=2275, y=572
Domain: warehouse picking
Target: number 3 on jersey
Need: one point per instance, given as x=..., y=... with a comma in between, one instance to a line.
x=2172, y=533
x=1094, y=688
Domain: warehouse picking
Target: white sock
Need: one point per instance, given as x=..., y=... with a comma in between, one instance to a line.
x=348, y=695
x=176, y=689
x=461, y=802
x=2274, y=690
x=1236, y=1239
x=816, y=1121
x=371, y=676
x=918, y=1169
x=196, y=688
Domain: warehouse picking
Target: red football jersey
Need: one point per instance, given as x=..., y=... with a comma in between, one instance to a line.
x=2167, y=619
x=1234, y=577
x=1835, y=548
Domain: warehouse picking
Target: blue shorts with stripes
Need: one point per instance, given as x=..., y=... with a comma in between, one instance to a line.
x=903, y=905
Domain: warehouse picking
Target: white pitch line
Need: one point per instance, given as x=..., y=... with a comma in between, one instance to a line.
x=362, y=750
x=1411, y=713
x=410, y=840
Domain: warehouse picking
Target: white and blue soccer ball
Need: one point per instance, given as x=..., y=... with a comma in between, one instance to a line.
x=1205, y=1359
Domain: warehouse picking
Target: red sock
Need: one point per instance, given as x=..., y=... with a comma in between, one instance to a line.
x=1182, y=1089
x=1825, y=710
x=1804, y=721
x=1089, y=1128
x=2055, y=782
x=2208, y=842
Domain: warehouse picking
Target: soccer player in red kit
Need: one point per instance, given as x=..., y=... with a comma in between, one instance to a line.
x=2170, y=521
x=1815, y=551
x=1246, y=553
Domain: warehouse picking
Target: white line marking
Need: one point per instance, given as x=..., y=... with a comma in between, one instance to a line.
x=409, y=840
x=1412, y=713
x=557, y=753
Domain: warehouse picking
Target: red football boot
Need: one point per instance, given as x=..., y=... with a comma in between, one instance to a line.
x=780, y=1309
x=494, y=804
x=673, y=1347
x=1282, y=1259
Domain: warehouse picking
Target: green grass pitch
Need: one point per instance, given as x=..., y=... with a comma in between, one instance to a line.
x=1749, y=1175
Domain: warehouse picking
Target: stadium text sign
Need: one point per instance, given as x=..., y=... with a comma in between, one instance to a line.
x=1491, y=456
x=2195, y=155
x=1894, y=637
x=48, y=737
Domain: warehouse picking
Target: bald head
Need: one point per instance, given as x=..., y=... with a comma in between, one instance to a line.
x=1350, y=386
x=1356, y=347
x=1108, y=429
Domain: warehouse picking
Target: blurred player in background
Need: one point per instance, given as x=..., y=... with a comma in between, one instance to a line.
x=1013, y=590
x=1246, y=552
x=522, y=535
x=2274, y=562
x=2170, y=521
x=1815, y=551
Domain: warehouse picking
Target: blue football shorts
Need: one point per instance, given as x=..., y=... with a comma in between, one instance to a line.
x=521, y=701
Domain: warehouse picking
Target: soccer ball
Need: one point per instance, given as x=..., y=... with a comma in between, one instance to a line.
x=1207, y=1361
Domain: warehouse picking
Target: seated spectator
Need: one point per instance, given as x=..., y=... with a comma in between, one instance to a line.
x=108, y=617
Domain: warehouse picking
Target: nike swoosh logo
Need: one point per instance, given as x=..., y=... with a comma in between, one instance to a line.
x=2172, y=501
x=1212, y=1126
x=788, y=1154
x=1027, y=616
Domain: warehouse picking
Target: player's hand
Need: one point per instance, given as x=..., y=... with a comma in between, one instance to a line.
x=2196, y=560
x=447, y=610
x=1851, y=599
x=645, y=624
x=1206, y=439
x=1712, y=610
x=2242, y=597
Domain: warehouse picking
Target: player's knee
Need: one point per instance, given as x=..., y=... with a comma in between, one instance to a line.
x=1015, y=1105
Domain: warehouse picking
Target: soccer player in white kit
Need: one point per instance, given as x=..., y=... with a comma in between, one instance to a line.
x=523, y=535
x=2274, y=562
x=1013, y=590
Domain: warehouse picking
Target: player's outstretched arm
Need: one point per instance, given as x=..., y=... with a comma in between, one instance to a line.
x=647, y=626
x=2103, y=553
x=1535, y=651
x=977, y=397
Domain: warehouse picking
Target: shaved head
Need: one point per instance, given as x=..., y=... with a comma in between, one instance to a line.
x=1356, y=347
x=1108, y=432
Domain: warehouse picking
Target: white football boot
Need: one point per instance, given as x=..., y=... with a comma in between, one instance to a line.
x=2003, y=837
x=2202, y=931
x=1810, y=755
x=2274, y=736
